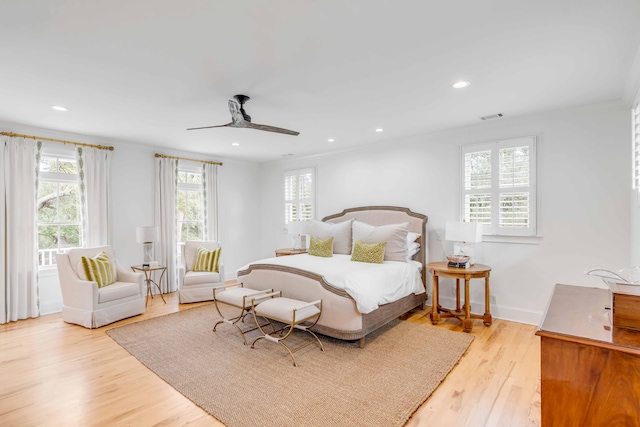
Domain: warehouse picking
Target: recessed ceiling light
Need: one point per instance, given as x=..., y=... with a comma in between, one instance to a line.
x=379, y=130
x=331, y=140
x=59, y=108
x=460, y=85
x=235, y=144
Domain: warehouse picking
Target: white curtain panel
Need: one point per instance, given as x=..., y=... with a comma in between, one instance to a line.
x=94, y=172
x=18, y=249
x=166, y=177
x=210, y=193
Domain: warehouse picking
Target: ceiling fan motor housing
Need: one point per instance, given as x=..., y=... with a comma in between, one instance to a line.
x=241, y=100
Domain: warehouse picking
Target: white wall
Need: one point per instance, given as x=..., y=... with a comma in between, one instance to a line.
x=583, y=198
x=584, y=204
x=132, y=190
x=132, y=199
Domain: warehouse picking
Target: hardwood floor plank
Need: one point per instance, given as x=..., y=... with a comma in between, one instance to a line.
x=55, y=373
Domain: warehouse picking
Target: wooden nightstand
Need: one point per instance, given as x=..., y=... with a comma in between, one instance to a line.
x=476, y=271
x=289, y=251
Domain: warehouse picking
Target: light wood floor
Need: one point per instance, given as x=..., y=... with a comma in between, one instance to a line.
x=57, y=374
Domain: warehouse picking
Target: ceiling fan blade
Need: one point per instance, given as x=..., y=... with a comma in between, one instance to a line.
x=209, y=127
x=270, y=128
x=240, y=118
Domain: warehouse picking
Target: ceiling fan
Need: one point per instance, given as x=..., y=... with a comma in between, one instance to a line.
x=240, y=118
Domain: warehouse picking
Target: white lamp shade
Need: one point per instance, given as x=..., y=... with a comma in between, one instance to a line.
x=470, y=232
x=146, y=234
x=298, y=227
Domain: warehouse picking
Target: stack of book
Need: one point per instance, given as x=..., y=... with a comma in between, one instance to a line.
x=459, y=264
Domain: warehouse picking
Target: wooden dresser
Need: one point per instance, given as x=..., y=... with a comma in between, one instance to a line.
x=590, y=370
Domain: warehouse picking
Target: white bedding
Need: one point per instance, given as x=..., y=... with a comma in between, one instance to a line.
x=370, y=285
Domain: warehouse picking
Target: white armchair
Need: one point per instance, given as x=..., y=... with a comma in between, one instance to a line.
x=83, y=303
x=197, y=286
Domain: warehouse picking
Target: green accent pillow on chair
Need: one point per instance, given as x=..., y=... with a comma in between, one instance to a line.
x=373, y=253
x=98, y=269
x=323, y=248
x=207, y=260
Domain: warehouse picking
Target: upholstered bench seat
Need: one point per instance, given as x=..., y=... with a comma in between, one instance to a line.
x=237, y=297
x=287, y=310
x=293, y=313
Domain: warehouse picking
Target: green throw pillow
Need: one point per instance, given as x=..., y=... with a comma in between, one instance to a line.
x=98, y=269
x=322, y=248
x=207, y=260
x=363, y=252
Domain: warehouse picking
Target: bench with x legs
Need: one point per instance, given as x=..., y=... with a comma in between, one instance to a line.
x=241, y=298
x=292, y=313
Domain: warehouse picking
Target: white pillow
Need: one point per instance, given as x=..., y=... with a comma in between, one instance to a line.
x=412, y=249
x=412, y=237
x=394, y=234
x=341, y=233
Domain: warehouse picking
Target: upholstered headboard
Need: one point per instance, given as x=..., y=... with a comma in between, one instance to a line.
x=383, y=215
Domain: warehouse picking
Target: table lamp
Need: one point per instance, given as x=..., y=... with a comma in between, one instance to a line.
x=464, y=235
x=298, y=229
x=146, y=236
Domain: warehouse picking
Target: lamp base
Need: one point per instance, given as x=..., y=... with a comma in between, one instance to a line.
x=147, y=251
x=299, y=242
x=463, y=248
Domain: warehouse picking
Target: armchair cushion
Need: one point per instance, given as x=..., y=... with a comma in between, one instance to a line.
x=117, y=290
x=207, y=260
x=200, y=278
x=98, y=269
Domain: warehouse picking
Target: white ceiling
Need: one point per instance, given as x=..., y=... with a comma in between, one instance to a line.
x=146, y=70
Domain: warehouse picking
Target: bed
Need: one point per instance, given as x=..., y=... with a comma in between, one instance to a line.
x=341, y=317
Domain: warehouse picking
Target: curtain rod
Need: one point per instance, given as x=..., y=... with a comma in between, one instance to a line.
x=82, y=144
x=164, y=156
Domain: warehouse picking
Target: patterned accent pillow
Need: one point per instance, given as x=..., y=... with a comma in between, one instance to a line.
x=322, y=248
x=98, y=269
x=207, y=260
x=394, y=234
x=373, y=253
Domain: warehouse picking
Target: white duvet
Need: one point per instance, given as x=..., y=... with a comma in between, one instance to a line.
x=370, y=285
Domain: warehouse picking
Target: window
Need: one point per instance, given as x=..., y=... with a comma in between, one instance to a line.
x=190, y=206
x=499, y=186
x=58, y=205
x=298, y=195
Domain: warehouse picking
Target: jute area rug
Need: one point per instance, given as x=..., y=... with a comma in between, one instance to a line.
x=379, y=385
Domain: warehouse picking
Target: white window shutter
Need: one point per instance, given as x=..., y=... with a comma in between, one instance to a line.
x=299, y=195
x=499, y=188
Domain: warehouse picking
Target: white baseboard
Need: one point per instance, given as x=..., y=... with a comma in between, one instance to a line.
x=50, y=307
x=500, y=312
